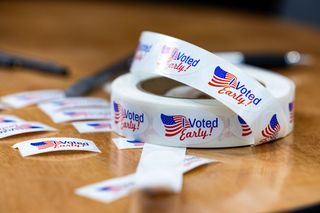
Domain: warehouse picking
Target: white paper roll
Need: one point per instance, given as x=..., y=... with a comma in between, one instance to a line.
x=250, y=105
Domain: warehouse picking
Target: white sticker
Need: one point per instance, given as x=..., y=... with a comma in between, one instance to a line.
x=65, y=103
x=19, y=100
x=93, y=126
x=116, y=188
x=43, y=145
x=81, y=114
x=9, y=129
x=160, y=168
x=108, y=190
x=126, y=143
x=4, y=118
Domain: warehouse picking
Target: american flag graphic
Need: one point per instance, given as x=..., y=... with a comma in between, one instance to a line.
x=291, y=112
x=118, y=112
x=99, y=125
x=45, y=144
x=115, y=188
x=3, y=120
x=272, y=129
x=26, y=97
x=245, y=127
x=58, y=103
x=76, y=114
x=174, y=53
x=222, y=78
x=174, y=124
x=136, y=142
x=28, y=126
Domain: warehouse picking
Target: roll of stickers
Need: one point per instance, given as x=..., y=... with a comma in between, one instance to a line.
x=235, y=105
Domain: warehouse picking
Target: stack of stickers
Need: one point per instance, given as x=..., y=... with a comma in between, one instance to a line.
x=12, y=125
x=91, y=114
x=60, y=109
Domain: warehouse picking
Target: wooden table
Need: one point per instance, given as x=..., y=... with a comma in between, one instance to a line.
x=85, y=36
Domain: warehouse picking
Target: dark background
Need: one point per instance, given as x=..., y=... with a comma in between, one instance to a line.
x=302, y=11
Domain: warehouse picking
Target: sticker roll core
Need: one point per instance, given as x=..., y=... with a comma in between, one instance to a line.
x=246, y=105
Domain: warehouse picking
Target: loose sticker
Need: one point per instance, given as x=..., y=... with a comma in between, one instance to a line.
x=65, y=103
x=81, y=114
x=93, y=126
x=116, y=188
x=10, y=129
x=4, y=118
x=43, y=145
x=19, y=100
x=126, y=143
x=108, y=190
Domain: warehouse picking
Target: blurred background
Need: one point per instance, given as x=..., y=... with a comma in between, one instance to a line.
x=85, y=36
x=302, y=11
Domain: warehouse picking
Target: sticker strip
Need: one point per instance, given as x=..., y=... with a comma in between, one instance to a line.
x=113, y=189
x=160, y=168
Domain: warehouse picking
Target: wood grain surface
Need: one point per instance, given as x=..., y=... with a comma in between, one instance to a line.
x=86, y=36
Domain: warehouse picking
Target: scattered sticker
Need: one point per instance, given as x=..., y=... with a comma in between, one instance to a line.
x=43, y=145
x=10, y=129
x=126, y=143
x=116, y=188
x=5, y=118
x=65, y=103
x=19, y=100
x=108, y=190
x=93, y=126
x=81, y=114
